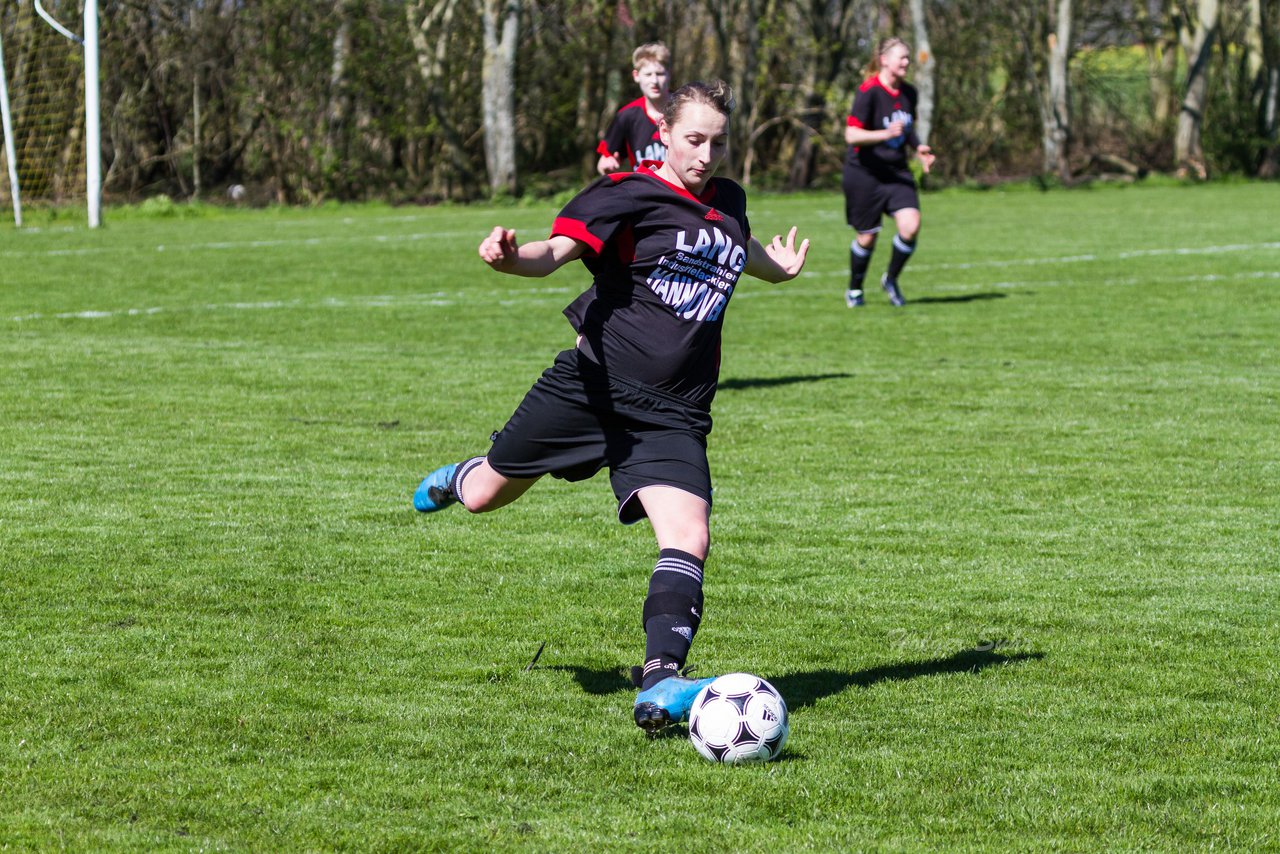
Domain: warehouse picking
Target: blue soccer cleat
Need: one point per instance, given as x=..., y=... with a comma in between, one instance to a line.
x=853, y=298
x=891, y=288
x=436, y=490
x=667, y=702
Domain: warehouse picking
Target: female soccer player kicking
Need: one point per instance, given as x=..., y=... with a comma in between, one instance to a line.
x=665, y=246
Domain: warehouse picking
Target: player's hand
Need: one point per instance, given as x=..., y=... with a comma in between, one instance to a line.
x=787, y=255
x=894, y=130
x=926, y=155
x=499, y=250
x=608, y=163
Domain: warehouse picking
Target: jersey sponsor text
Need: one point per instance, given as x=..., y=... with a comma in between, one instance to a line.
x=698, y=278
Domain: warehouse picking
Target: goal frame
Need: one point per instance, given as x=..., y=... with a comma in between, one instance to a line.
x=92, y=115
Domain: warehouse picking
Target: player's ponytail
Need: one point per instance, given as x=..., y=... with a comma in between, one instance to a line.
x=885, y=45
x=716, y=94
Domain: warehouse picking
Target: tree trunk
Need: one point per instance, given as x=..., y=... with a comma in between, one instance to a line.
x=436, y=24
x=923, y=74
x=501, y=29
x=1197, y=43
x=1262, y=67
x=1056, y=106
x=336, y=111
x=1270, y=166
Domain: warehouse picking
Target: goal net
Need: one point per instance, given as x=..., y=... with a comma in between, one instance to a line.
x=45, y=73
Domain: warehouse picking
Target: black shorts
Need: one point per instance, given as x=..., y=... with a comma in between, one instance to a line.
x=868, y=195
x=577, y=419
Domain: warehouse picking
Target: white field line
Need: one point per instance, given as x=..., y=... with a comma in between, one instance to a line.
x=507, y=297
x=223, y=245
x=286, y=223
x=521, y=296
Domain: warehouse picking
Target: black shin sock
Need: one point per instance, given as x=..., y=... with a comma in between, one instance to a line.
x=859, y=260
x=902, y=250
x=672, y=612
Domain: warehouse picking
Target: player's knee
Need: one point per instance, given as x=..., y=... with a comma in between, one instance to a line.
x=692, y=538
x=481, y=491
x=909, y=226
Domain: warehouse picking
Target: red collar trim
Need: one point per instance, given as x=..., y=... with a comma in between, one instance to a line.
x=641, y=104
x=875, y=79
x=648, y=167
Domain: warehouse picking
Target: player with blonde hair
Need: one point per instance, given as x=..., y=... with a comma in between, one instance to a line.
x=632, y=135
x=881, y=135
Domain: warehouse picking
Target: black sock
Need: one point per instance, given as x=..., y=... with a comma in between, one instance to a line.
x=672, y=612
x=902, y=250
x=859, y=259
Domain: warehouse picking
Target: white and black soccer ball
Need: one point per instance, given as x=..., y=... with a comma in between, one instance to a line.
x=739, y=718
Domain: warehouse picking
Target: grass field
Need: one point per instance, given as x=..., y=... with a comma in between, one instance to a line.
x=1011, y=553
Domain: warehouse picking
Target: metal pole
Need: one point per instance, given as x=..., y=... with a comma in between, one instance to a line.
x=10, y=157
x=93, y=133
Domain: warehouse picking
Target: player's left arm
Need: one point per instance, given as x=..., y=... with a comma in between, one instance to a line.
x=923, y=152
x=778, y=261
x=926, y=156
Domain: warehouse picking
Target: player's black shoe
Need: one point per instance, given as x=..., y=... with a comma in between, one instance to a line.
x=891, y=288
x=854, y=298
x=436, y=490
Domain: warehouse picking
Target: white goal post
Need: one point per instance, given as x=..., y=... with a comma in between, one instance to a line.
x=13, y=125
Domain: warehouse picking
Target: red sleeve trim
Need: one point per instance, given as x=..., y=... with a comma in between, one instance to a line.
x=852, y=121
x=603, y=149
x=577, y=229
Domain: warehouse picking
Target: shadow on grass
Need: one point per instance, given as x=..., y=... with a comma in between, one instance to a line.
x=805, y=689
x=766, y=382
x=963, y=298
x=596, y=681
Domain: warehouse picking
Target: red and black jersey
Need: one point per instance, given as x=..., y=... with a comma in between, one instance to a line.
x=665, y=264
x=875, y=107
x=632, y=134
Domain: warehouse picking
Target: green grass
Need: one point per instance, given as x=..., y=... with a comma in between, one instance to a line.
x=223, y=627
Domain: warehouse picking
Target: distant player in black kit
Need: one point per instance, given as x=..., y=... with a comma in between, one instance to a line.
x=665, y=247
x=632, y=136
x=877, y=180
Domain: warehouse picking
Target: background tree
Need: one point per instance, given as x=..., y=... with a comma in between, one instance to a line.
x=1055, y=101
x=501, y=28
x=925, y=64
x=1198, y=27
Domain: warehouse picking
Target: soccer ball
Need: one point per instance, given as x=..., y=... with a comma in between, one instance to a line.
x=739, y=718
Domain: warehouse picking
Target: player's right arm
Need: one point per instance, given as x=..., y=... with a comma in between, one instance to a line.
x=502, y=252
x=860, y=127
x=608, y=163
x=854, y=135
x=611, y=146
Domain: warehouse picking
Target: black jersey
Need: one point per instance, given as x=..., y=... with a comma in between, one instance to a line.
x=875, y=107
x=632, y=134
x=665, y=264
